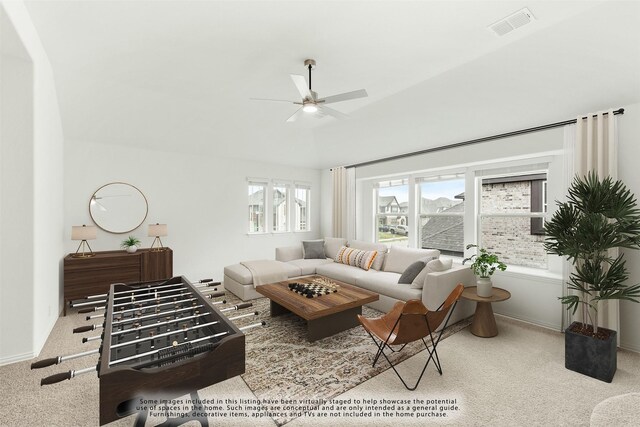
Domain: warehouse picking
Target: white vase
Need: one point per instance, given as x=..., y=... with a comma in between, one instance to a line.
x=485, y=287
x=132, y=249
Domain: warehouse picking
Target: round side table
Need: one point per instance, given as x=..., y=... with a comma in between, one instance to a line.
x=484, y=322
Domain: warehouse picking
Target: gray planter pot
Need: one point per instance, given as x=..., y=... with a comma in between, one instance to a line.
x=590, y=356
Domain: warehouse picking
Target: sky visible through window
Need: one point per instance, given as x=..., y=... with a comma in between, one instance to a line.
x=430, y=190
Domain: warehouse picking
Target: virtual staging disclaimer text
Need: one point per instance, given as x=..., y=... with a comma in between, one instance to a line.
x=292, y=408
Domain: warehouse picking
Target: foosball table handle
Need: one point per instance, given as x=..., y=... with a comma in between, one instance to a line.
x=243, y=305
x=81, y=329
x=44, y=363
x=56, y=378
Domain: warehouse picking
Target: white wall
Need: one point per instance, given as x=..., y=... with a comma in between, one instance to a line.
x=203, y=201
x=31, y=190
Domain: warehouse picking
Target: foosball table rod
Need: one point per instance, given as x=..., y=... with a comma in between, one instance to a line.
x=201, y=284
x=57, y=360
x=147, y=307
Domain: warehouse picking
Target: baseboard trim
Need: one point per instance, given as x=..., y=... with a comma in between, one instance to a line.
x=633, y=348
x=554, y=328
x=16, y=358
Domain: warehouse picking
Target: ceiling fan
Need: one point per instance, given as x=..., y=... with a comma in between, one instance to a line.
x=310, y=103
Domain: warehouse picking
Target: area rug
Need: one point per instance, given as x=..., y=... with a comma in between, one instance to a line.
x=282, y=365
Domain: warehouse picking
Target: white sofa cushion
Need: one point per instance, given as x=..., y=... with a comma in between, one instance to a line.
x=308, y=266
x=386, y=283
x=242, y=275
x=289, y=253
x=344, y=273
x=368, y=246
x=433, y=265
x=332, y=245
x=399, y=258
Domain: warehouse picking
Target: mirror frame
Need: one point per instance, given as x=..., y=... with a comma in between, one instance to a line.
x=146, y=204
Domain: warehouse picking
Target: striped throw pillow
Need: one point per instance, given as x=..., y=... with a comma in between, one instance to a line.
x=356, y=257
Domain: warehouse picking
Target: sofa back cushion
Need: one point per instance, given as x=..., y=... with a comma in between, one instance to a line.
x=381, y=248
x=356, y=257
x=332, y=245
x=399, y=258
x=313, y=249
x=289, y=253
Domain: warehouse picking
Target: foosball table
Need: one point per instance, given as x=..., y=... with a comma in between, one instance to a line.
x=158, y=338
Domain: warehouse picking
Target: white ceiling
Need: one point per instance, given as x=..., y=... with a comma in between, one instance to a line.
x=178, y=75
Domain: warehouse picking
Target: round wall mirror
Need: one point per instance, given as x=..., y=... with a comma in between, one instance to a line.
x=118, y=207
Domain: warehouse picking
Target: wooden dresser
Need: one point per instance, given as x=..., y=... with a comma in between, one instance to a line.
x=92, y=276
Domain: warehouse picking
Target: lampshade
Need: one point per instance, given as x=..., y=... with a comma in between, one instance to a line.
x=83, y=232
x=156, y=230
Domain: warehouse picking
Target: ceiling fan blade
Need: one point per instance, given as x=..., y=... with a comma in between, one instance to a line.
x=268, y=99
x=295, y=115
x=344, y=96
x=301, y=84
x=331, y=112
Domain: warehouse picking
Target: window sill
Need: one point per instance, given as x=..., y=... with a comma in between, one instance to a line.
x=530, y=273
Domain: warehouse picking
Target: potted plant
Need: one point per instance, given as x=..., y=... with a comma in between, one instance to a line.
x=483, y=266
x=131, y=244
x=598, y=217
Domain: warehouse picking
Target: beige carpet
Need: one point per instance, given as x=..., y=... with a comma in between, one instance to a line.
x=517, y=378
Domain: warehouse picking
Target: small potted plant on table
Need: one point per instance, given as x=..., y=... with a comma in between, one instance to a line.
x=131, y=244
x=483, y=266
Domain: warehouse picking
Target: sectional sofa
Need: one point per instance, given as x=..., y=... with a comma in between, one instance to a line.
x=382, y=277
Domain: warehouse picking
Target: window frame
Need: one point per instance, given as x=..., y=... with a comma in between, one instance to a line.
x=258, y=182
x=269, y=188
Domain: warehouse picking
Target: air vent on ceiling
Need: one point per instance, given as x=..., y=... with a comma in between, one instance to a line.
x=511, y=22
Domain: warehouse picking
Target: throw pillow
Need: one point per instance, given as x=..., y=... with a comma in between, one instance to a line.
x=313, y=249
x=381, y=248
x=432, y=265
x=411, y=272
x=355, y=257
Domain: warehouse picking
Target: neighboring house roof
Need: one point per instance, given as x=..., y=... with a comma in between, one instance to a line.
x=445, y=232
x=385, y=201
x=404, y=207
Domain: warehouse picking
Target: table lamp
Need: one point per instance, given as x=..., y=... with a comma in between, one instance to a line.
x=84, y=233
x=157, y=230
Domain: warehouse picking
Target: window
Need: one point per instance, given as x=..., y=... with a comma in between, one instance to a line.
x=441, y=213
x=301, y=206
x=392, y=212
x=257, y=191
x=512, y=209
x=280, y=207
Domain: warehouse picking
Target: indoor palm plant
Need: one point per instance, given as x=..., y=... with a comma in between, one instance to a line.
x=130, y=244
x=483, y=266
x=598, y=217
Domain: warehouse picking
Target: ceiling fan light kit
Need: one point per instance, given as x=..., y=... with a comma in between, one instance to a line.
x=313, y=105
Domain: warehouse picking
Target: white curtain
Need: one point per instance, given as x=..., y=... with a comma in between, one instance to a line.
x=344, y=198
x=592, y=145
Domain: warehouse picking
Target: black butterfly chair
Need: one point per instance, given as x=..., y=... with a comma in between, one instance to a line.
x=408, y=322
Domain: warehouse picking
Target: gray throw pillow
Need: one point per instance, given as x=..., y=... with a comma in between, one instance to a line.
x=313, y=249
x=411, y=272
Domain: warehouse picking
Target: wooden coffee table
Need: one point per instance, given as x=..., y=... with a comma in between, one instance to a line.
x=326, y=315
x=484, y=322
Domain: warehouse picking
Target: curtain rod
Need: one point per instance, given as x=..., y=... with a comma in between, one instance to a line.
x=476, y=141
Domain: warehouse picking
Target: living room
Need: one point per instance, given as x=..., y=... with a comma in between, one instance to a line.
x=158, y=95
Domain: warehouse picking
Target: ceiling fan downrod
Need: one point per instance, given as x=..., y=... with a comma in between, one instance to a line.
x=310, y=63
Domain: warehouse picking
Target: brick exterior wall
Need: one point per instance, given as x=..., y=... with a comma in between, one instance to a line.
x=511, y=238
